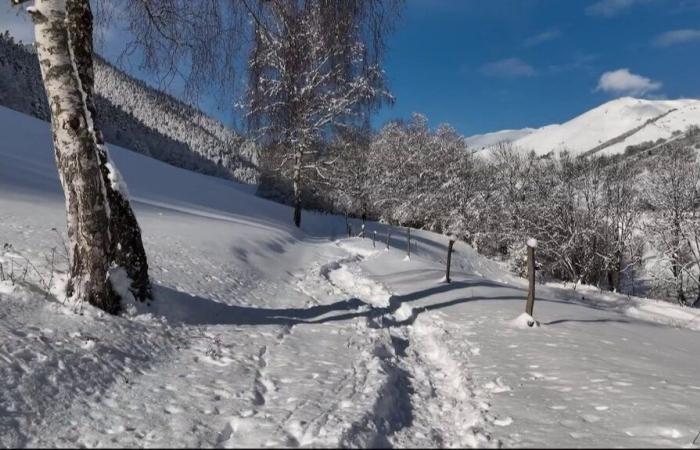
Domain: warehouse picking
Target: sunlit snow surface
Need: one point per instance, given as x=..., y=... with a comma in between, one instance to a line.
x=263, y=335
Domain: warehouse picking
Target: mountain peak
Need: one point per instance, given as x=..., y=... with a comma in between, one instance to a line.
x=611, y=127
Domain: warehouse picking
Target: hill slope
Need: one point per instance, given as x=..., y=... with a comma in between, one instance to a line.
x=135, y=116
x=266, y=335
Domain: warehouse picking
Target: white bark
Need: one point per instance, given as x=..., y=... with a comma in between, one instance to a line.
x=87, y=210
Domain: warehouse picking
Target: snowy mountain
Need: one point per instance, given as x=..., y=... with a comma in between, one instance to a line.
x=612, y=127
x=266, y=335
x=482, y=141
x=136, y=116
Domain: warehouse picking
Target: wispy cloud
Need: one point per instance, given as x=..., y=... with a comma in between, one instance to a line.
x=675, y=37
x=610, y=8
x=579, y=62
x=541, y=38
x=624, y=82
x=508, y=68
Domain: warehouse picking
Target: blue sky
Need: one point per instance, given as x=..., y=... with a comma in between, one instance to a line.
x=486, y=65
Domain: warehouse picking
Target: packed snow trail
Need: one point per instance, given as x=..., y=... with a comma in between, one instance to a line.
x=589, y=376
x=233, y=376
x=265, y=335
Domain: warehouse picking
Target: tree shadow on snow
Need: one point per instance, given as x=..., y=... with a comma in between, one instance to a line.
x=192, y=310
x=559, y=321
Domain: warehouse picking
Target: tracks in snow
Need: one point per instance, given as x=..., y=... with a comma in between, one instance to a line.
x=427, y=398
x=352, y=368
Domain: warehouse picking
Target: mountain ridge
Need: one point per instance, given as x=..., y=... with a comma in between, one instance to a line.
x=606, y=129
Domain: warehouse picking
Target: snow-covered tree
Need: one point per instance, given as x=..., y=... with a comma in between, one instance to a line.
x=621, y=214
x=310, y=72
x=670, y=191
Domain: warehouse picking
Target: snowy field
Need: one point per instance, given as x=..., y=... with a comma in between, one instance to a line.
x=264, y=335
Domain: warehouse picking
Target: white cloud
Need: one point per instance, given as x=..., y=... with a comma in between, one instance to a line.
x=508, y=68
x=623, y=82
x=16, y=21
x=541, y=38
x=609, y=8
x=676, y=37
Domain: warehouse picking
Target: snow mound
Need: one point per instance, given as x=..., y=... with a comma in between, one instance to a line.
x=356, y=285
x=404, y=312
x=524, y=321
x=357, y=246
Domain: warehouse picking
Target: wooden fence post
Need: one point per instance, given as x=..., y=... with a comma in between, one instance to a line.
x=408, y=242
x=374, y=239
x=530, y=305
x=388, y=238
x=449, y=257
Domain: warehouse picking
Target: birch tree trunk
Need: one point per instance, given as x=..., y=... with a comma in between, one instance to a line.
x=87, y=210
x=126, y=246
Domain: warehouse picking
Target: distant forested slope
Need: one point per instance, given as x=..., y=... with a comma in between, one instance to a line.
x=135, y=116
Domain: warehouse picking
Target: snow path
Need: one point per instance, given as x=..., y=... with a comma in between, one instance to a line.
x=435, y=402
x=190, y=399
x=590, y=376
x=234, y=375
x=231, y=374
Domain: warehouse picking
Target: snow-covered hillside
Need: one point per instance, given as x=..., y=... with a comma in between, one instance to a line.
x=613, y=126
x=482, y=141
x=265, y=335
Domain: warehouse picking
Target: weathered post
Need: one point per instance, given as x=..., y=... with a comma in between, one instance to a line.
x=449, y=257
x=388, y=238
x=374, y=239
x=362, y=232
x=408, y=243
x=531, y=245
x=349, y=230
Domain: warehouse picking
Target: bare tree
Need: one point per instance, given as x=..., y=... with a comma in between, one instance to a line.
x=192, y=42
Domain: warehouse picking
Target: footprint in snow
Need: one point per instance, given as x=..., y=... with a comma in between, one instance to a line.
x=497, y=386
x=504, y=422
x=590, y=418
x=173, y=409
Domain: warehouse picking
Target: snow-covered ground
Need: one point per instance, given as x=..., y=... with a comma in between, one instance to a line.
x=264, y=335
